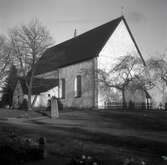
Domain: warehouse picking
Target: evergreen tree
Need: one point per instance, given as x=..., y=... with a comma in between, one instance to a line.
x=9, y=87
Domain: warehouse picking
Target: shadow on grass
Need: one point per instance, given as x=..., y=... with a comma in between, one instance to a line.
x=148, y=146
x=66, y=135
x=129, y=142
x=43, y=113
x=137, y=121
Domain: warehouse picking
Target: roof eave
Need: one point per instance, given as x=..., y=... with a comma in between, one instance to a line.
x=133, y=39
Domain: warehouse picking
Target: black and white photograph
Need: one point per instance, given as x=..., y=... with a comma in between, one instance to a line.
x=83, y=82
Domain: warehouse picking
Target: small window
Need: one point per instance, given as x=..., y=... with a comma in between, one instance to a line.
x=77, y=86
x=62, y=88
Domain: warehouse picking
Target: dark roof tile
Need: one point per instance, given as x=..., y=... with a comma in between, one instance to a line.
x=39, y=85
x=80, y=48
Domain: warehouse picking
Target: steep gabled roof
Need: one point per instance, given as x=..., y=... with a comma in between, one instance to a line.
x=81, y=48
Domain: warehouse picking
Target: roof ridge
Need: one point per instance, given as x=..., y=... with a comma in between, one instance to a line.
x=80, y=48
x=84, y=33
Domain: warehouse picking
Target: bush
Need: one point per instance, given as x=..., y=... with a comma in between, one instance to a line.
x=1, y=104
x=16, y=150
x=165, y=106
x=9, y=87
x=85, y=160
x=133, y=161
x=7, y=97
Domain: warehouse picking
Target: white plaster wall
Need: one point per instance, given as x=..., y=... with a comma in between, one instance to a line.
x=87, y=71
x=119, y=44
x=42, y=99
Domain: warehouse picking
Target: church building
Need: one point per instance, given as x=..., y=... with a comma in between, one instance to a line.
x=74, y=63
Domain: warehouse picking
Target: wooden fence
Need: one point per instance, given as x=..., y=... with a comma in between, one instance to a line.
x=128, y=106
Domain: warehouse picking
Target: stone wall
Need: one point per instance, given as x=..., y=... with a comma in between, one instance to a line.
x=88, y=97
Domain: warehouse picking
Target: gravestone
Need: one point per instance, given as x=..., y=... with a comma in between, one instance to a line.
x=54, y=108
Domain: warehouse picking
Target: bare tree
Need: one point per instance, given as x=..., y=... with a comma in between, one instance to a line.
x=128, y=69
x=28, y=42
x=5, y=59
x=158, y=71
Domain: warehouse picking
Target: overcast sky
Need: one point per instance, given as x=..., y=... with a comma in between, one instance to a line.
x=147, y=18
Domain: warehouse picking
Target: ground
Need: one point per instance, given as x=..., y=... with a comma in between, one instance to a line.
x=111, y=136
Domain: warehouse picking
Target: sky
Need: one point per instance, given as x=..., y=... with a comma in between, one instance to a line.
x=147, y=19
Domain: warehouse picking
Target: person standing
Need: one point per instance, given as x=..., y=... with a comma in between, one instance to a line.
x=49, y=103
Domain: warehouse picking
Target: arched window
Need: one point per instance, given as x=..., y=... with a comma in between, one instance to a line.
x=77, y=86
x=62, y=88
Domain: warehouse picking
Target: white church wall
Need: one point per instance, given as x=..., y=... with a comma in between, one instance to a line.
x=118, y=45
x=42, y=99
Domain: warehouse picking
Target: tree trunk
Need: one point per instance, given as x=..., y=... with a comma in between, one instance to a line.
x=123, y=100
x=34, y=100
x=30, y=87
x=29, y=96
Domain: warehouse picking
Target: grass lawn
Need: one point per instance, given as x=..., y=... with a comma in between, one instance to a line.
x=10, y=113
x=111, y=136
